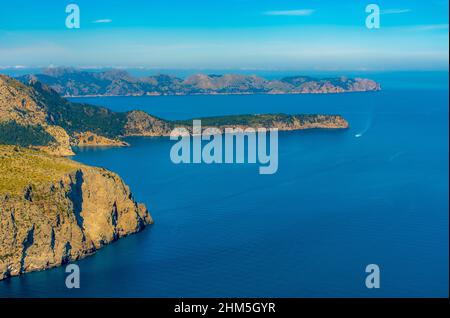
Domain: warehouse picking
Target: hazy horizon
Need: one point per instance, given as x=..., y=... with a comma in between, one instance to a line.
x=245, y=35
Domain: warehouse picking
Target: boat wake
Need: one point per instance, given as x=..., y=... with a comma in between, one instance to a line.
x=368, y=125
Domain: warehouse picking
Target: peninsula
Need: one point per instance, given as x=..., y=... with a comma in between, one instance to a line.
x=34, y=115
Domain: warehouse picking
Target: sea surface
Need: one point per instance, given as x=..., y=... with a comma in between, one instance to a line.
x=337, y=203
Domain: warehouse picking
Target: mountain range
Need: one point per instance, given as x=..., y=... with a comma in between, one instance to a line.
x=72, y=82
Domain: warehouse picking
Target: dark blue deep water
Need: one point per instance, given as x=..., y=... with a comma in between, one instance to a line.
x=336, y=204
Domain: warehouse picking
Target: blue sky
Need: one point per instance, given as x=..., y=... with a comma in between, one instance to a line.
x=234, y=34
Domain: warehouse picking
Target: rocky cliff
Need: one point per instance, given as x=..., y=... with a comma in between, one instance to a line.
x=140, y=123
x=54, y=210
x=86, y=139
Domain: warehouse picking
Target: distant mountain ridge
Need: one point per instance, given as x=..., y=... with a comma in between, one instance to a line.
x=72, y=82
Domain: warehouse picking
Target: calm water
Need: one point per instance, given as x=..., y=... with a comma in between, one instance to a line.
x=336, y=204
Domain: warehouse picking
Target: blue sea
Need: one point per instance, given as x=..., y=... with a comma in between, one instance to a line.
x=336, y=204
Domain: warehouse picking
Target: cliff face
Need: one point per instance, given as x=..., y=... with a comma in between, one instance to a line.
x=57, y=211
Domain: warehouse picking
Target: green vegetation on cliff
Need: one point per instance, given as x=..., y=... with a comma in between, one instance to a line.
x=73, y=82
x=12, y=133
x=21, y=167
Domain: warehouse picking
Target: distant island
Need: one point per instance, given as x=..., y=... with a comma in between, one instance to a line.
x=70, y=82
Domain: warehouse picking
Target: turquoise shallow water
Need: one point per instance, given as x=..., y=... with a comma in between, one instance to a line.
x=336, y=204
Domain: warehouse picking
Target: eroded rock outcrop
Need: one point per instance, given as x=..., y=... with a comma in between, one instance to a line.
x=90, y=139
x=282, y=122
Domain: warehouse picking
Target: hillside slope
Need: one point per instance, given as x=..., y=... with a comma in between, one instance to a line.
x=35, y=115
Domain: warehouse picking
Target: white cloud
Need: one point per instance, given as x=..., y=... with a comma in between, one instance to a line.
x=301, y=12
x=395, y=11
x=16, y=67
x=430, y=27
x=102, y=21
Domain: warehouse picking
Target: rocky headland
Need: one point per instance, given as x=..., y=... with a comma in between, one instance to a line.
x=54, y=210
